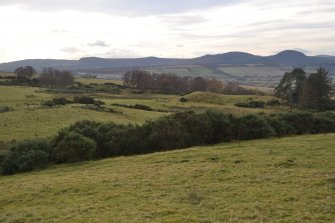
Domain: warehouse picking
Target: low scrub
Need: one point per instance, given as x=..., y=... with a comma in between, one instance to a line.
x=137, y=106
x=27, y=156
x=5, y=109
x=183, y=99
x=83, y=100
x=88, y=140
x=72, y=147
x=251, y=104
x=56, y=101
x=273, y=102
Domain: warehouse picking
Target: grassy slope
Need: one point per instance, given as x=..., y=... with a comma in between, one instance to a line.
x=273, y=180
x=29, y=119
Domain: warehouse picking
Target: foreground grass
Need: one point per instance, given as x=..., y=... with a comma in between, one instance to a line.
x=273, y=180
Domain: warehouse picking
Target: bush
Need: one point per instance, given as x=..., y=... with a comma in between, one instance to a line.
x=142, y=107
x=253, y=127
x=73, y=147
x=162, y=134
x=137, y=106
x=301, y=122
x=222, y=124
x=280, y=126
x=55, y=101
x=49, y=103
x=5, y=109
x=99, y=103
x=60, y=101
x=197, y=126
x=87, y=139
x=27, y=156
x=251, y=104
x=273, y=102
x=83, y=100
x=183, y=99
x=116, y=140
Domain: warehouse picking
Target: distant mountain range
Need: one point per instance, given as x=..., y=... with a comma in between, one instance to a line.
x=285, y=58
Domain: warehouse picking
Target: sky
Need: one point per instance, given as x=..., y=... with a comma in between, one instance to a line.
x=71, y=29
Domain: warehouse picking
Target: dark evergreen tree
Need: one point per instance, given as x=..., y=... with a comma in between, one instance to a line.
x=317, y=91
x=290, y=86
x=26, y=72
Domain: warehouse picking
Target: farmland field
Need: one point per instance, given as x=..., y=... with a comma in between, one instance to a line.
x=273, y=180
x=29, y=119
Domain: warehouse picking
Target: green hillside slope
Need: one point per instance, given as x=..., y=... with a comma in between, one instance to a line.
x=273, y=180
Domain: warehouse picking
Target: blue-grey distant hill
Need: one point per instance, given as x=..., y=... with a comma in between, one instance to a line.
x=285, y=58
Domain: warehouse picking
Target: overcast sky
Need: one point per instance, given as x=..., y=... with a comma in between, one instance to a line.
x=70, y=29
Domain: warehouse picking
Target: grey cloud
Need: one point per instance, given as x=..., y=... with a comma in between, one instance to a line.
x=182, y=20
x=317, y=11
x=58, y=31
x=124, y=7
x=302, y=50
x=72, y=50
x=99, y=43
x=120, y=53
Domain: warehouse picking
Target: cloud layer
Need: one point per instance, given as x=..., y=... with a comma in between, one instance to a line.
x=176, y=28
x=125, y=7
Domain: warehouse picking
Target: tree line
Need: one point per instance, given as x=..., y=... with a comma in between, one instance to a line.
x=49, y=77
x=171, y=83
x=304, y=91
x=88, y=140
x=168, y=82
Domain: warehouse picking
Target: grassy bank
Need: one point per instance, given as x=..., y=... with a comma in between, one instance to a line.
x=274, y=180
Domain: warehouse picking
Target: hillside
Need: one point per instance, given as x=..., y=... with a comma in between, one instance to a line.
x=272, y=180
x=284, y=58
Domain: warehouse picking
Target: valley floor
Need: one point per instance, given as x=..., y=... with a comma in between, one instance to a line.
x=273, y=180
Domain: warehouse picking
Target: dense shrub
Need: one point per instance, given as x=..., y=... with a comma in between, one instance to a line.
x=142, y=107
x=5, y=109
x=301, y=122
x=137, y=106
x=197, y=126
x=222, y=124
x=99, y=103
x=73, y=147
x=162, y=134
x=26, y=156
x=48, y=103
x=280, y=126
x=55, y=101
x=273, y=102
x=60, y=101
x=253, y=127
x=83, y=100
x=183, y=99
x=188, y=129
x=114, y=140
x=87, y=139
x=251, y=104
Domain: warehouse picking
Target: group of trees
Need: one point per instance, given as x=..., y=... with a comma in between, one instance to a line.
x=171, y=83
x=88, y=140
x=144, y=80
x=49, y=77
x=54, y=78
x=307, y=92
x=26, y=72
